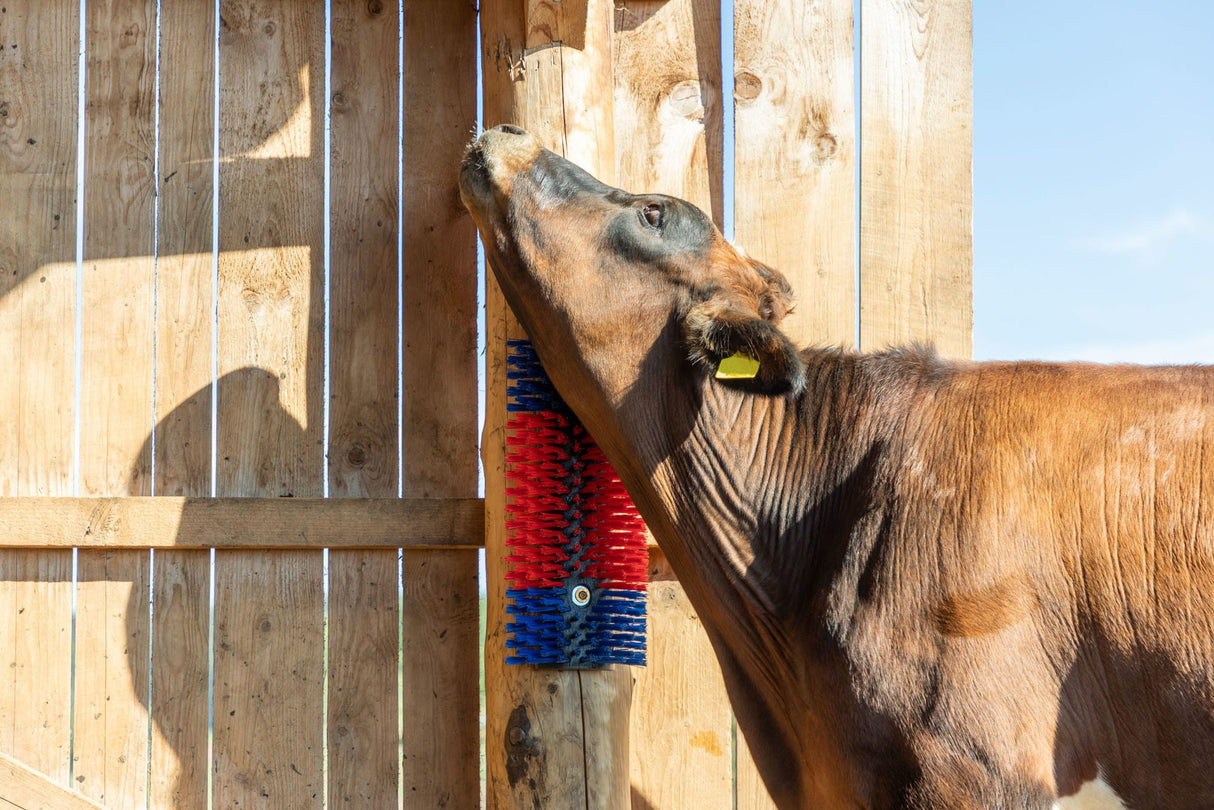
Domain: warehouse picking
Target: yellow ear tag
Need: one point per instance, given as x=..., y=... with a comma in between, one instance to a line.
x=738, y=366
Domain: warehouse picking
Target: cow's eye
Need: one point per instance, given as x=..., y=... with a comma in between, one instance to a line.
x=651, y=215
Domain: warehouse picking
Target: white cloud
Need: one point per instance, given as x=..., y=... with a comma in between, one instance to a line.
x=1197, y=348
x=1147, y=238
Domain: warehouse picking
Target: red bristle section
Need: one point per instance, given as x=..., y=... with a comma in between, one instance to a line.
x=560, y=479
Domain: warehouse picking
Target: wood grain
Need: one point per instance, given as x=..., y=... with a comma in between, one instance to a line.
x=441, y=627
x=441, y=622
x=234, y=523
x=916, y=194
x=180, y=667
x=36, y=668
x=271, y=276
x=364, y=605
x=364, y=631
x=38, y=89
x=668, y=100
x=439, y=442
x=24, y=788
x=363, y=273
x=681, y=750
x=547, y=69
x=794, y=189
x=110, y=745
x=180, y=697
x=184, y=283
x=119, y=191
x=269, y=654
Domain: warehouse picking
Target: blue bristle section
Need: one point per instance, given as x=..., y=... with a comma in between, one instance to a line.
x=549, y=630
x=528, y=387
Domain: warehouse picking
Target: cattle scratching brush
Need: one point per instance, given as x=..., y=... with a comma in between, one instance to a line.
x=577, y=556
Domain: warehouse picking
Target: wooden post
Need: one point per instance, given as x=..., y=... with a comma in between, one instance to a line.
x=554, y=739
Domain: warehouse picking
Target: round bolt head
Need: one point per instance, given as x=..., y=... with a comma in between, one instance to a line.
x=581, y=595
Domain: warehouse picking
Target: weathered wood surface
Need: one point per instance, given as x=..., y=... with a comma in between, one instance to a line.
x=794, y=186
x=38, y=161
x=185, y=343
x=235, y=523
x=269, y=686
x=916, y=190
x=681, y=723
x=441, y=765
x=24, y=788
x=268, y=745
x=119, y=223
x=110, y=742
x=364, y=606
x=548, y=69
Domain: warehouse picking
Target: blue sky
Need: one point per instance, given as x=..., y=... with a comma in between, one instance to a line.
x=1094, y=180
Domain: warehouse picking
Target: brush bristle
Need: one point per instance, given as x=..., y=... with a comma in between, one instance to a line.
x=569, y=523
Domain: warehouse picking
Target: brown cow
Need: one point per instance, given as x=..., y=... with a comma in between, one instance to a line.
x=930, y=583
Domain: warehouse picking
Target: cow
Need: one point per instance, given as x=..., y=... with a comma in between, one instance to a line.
x=930, y=583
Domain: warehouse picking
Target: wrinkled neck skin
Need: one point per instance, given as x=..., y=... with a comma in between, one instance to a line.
x=752, y=500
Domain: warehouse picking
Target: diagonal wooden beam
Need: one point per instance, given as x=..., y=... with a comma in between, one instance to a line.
x=25, y=788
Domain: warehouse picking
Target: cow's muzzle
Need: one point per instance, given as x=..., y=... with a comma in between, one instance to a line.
x=495, y=159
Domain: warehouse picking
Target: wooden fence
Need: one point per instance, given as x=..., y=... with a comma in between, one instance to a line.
x=238, y=419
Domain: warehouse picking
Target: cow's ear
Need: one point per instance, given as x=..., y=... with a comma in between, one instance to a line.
x=743, y=350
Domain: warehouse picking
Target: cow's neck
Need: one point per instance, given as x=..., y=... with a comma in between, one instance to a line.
x=751, y=498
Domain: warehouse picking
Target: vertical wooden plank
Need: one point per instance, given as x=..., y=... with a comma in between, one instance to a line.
x=364, y=604
x=38, y=87
x=441, y=766
x=271, y=226
x=111, y=721
x=668, y=99
x=35, y=702
x=795, y=156
x=180, y=663
x=111, y=724
x=668, y=135
x=268, y=680
x=916, y=194
x=441, y=737
x=681, y=724
x=268, y=674
x=547, y=67
x=179, y=705
x=184, y=298
x=119, y=189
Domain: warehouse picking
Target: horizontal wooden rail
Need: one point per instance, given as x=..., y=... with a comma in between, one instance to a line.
x=265, y=523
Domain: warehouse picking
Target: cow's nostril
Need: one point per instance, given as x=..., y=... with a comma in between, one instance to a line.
x=510, y=129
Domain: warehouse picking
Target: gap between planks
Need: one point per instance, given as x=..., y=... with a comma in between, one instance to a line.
x=266, y=523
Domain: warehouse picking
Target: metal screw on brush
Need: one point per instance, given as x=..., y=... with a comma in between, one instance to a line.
x=580, y=595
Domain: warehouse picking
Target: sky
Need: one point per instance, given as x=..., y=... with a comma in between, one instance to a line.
x=1094, y=180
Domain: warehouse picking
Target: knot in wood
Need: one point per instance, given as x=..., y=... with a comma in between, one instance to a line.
x=685, y=100
x=340, y=101
x=825, y=146
x=375, y=7
x=747, y=86
x=269, y=28
x=357, y=455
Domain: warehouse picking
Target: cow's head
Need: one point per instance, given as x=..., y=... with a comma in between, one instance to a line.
x=608, y=282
